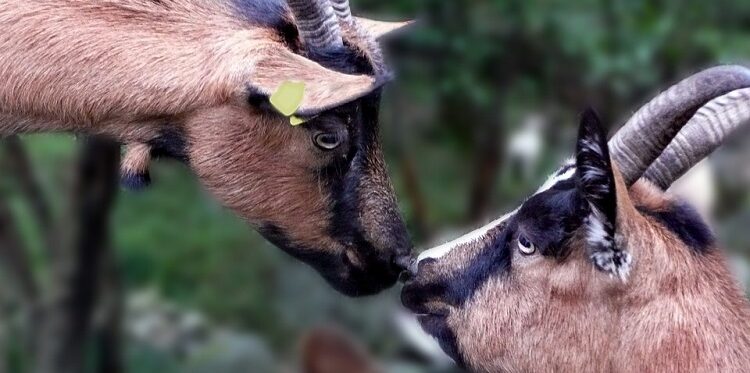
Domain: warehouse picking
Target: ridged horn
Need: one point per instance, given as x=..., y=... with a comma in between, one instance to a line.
x=362, y=37
x=343, y=11
x=705, y=132
x=317, y=24
x=643, y=138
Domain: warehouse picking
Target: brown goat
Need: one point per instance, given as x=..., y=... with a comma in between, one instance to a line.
x=191, y=79
x=593, y=274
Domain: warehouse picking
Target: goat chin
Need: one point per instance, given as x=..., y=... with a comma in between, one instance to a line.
x=418, y=339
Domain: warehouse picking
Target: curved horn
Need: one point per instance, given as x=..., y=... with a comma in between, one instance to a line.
x=366, y=41
x=641, y=140
x=318, y=25
x=343, y=11
x=705, y=132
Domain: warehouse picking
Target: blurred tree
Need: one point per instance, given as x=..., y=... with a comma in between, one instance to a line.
x=60, y=313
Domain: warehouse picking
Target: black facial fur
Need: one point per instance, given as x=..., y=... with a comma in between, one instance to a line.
x=342, y=178
x=315, y=258
x=550, y=218
x=493, y=259
x=681, y=219
x=437, y=327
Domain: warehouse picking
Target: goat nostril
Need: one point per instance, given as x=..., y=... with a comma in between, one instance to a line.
x=404, y=262
x=426, y=263
x=408, y=266
x=405, y=277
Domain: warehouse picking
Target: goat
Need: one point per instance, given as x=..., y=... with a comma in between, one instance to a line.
x=192, y=80
x=600, y=270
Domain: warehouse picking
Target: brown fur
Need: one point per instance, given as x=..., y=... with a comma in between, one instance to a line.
x=677, y=312
x=275, y=162
x=136, y=69
x=89, y=62
x=136, y=159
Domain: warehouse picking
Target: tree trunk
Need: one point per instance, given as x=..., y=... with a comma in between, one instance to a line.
x=67, y=319
x=108, y=332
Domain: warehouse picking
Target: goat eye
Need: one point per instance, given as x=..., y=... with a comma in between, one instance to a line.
x=327, y=141
x=525, y=246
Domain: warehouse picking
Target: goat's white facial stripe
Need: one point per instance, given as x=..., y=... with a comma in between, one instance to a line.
x=478, y=234
x=555, y=178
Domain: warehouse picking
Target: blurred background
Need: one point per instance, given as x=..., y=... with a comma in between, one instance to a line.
x=485, y=106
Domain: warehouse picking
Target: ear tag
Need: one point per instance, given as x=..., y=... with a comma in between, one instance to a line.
x=287, y=99
x=296, y=121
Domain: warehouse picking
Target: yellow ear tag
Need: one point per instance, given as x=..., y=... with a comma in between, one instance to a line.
x=296, y=121
x=288, y=97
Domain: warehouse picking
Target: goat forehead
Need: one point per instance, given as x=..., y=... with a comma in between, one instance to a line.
x=476, y=235
x=564, y=173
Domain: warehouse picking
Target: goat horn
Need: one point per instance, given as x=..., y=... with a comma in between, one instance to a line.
x=318, y=25
x=343, y=11
x=705, y=132
x=643, y=138
x=366, y=40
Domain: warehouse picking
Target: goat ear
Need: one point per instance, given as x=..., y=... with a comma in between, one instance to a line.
x=381, y=29
x=324, y=89
x=596, y=183
x=328, y=350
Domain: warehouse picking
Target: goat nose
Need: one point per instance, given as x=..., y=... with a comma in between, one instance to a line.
x=408, y=264
x=404, y=261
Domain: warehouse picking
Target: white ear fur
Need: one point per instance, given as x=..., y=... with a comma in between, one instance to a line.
x=596, y=182
x=603, y=249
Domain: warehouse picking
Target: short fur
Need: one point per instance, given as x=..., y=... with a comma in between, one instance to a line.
x=684, y=221
x=675, y=311
x=185, y=79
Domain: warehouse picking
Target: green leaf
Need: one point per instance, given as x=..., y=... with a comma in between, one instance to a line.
x=288, y=97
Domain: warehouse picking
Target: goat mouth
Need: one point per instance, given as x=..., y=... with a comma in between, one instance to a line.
x=440, y=313
x=417, y=301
